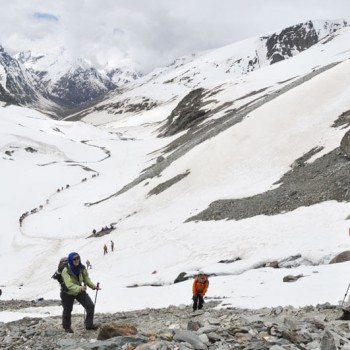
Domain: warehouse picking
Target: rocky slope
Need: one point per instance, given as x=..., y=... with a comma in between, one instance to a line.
x=308, y=328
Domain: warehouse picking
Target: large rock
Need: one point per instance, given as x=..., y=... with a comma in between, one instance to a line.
x=181, y=277
x=191, y=338
x=113, y=330
x=342, y=257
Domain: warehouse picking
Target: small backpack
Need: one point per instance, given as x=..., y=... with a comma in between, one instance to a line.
x=58, y=274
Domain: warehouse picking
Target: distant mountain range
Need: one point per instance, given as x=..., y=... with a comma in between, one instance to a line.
x=57, y=84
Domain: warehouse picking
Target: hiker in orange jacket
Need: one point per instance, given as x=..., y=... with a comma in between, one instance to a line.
x=199, y=288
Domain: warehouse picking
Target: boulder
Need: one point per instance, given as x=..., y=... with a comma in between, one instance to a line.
x=342, y=257
x=113, y=330
x=290, y=278
x=181, y=277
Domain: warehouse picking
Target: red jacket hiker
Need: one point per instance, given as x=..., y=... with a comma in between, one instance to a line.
x=199, y=288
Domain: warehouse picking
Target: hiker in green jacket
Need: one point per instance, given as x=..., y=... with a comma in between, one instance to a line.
x=75, y=279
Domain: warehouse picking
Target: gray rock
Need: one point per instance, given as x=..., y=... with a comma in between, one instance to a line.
x=342, y=257
x=207, y=329
x=190, y=337
x=328, y=341
x=214, y=321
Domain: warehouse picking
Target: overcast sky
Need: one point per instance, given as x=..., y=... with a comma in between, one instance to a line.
x=150, y=32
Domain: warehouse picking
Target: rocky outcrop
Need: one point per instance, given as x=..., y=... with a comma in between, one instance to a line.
x=188, y=113
x=345, y=144
x=298, y=38
x=15, y=82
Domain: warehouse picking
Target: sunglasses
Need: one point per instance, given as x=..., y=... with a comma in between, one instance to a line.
x=77, y=258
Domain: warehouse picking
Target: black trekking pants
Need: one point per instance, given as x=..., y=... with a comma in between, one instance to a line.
x=67, y=303
x=198, y=302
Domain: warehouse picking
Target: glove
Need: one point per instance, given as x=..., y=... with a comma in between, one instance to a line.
x=193, y=297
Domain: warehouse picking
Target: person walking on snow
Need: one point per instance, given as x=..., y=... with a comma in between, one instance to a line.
x=88, y=264
x=112, y=245
x=105, y=249
x=199, y=288
x=73, y=275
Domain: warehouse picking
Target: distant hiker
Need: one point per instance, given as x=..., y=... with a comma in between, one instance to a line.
x=88, y=265
x=105, y=249
x=112, y=245
x=93, y=231
x=73, y=275
x=199, y=288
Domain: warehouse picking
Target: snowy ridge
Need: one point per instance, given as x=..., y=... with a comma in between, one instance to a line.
x=215, y=67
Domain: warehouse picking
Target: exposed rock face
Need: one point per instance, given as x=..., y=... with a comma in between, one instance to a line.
x=16, y=83
x=281, y=46
x=188, y=113
x=6, y=97
x=74, y=89
x=295, y=39
x=345, y=144
x=179, y=328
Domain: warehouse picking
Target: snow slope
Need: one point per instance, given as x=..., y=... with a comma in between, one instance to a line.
x=153, y=242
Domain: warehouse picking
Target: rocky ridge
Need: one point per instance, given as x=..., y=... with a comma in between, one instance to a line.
x=309, y=328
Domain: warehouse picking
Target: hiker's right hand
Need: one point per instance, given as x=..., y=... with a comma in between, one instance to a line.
x=83, y=288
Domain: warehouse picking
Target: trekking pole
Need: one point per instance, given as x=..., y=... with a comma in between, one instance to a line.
x=84, y=301
x=97, y=286
x=342, y=304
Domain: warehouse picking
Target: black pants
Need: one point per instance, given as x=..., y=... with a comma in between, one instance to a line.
x=67, y=303
x=198, y=302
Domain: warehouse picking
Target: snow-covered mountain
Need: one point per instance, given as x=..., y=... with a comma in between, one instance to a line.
x=206, y=69
x=18, y=86
x=55, y=81
x=197, y=168
x=71, y=81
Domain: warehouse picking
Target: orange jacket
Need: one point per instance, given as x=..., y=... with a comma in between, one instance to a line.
x=200, y=285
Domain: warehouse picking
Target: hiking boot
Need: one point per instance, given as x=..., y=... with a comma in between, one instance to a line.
x=93, y=327
x=68, y=330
